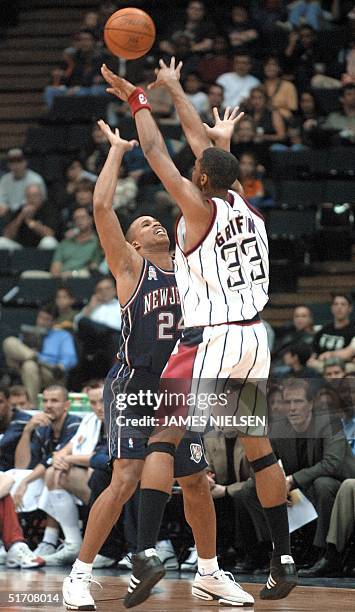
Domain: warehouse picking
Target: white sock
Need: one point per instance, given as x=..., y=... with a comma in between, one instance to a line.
x=51, y=535
x=207, y=566
x=79, y=567
x=67, y=514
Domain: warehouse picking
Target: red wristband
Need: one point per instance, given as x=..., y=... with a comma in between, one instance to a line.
x=138, y=100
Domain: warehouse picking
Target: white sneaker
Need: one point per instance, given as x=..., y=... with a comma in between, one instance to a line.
x=64, y=555
x=3, y=554
x=44, y=549
x=101, y=561
x=20, y=555
x=221, y=586
x=126, y=562
x=76, y=592
x=166, y=554
x=190, y=564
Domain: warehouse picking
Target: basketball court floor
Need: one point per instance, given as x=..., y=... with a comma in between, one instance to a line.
x=171, y=595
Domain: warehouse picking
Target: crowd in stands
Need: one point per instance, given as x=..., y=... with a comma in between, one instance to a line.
x=277, y=60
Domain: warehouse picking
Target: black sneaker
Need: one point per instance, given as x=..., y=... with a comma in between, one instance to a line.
x=282, y=578
x=147, y=570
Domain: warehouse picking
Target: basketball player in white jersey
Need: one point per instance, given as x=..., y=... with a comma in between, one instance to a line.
x=222, y=275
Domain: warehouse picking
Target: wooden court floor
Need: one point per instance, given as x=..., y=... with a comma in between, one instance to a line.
x=171, y=595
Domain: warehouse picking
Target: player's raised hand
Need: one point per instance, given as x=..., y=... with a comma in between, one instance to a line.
x=166, y=75
x=114, y=138
x=223, y=128
x=120, y=88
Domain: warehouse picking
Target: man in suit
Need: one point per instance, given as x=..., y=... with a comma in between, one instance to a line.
x=315, y=455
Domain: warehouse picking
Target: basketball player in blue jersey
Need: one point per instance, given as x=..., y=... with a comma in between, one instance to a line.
x=147, y=292
x=222, y=275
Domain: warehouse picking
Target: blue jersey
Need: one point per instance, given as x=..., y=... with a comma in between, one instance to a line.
x=151, y=321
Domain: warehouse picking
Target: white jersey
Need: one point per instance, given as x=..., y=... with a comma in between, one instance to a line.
x=225, y=278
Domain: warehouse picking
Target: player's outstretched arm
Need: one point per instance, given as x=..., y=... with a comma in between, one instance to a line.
x=189, y=199
x=169, y=77
x=120, y=255
x=197, y=134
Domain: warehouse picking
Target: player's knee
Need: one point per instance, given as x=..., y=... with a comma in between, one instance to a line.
x=263, y=462
x=123, y=484
x=161, y=447
x=195, y=484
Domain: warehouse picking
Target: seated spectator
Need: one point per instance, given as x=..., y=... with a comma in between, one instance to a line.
x=12, y=423
x=239, y=83
x=301, y=330
x=307, y=12
x=253, y=187
x=309, y=119
x=242, y=31
x=81, y=254
x=19, y=398
x=96, y=152
x=82, y=196
x=341, y=528
x=45, y=433
x=334, y=369
x=215, y=97
x=33, y=226
x=180, y=46
x=276, y=407
x=343, y=122
x=282, y=94
x=315, y=456
x=245, y=140
x=80, y=73
x=67, y=479
x=126, y=192
x=335, y=339
x=13, y=184
x=15, y=552
x=270, y=126
x=98, y=325
x=295, y=139
x=211, y=65
x=296, y=357
x=193, y=89
x=197, y=25
x=48, y=358
x=305, y=55
x=346, y=391
x=64, y=300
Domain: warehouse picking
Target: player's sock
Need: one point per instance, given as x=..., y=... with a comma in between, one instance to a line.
x=277, y=521
x=79, y=567
x=51, y=535
x=207, y=566
x=67, y=514
x=151, y=509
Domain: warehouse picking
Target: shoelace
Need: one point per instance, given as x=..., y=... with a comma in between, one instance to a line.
x=87, y=578
x=227, y=577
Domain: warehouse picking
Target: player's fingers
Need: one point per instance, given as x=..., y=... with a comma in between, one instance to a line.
x=162, y=63
x=226, y=113
x=234, y=112
x=113, y=91
x=172, y=63
x=216, y=114
x=179, y=66
x=238, y=117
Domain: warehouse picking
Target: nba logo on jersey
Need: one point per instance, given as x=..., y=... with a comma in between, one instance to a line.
x=130, y=443
x=152, y=273
x=196, y=452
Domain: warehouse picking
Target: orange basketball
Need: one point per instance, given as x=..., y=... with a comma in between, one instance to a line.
x=129, y=33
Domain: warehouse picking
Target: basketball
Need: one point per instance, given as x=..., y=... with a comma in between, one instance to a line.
x=129, y=33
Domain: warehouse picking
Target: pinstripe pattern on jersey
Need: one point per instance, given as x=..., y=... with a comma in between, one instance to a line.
x=230, y=284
